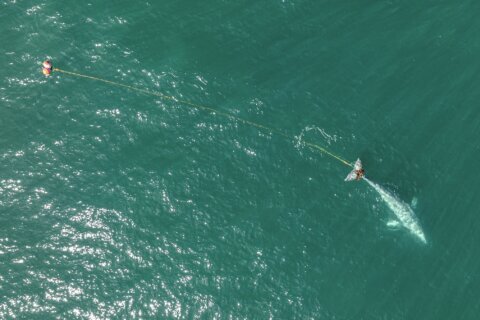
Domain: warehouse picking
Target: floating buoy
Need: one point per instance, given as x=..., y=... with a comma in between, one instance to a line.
x=47, y=68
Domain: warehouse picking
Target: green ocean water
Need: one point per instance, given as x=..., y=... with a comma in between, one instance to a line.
x=120, y=205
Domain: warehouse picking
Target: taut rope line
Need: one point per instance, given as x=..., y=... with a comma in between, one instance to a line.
x=209, y=109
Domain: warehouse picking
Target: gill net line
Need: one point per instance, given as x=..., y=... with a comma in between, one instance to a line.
x=208, y=109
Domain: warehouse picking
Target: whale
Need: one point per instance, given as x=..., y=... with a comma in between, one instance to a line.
x=402, y=211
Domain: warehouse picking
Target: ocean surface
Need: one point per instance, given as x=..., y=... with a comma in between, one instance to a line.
x=116, y=204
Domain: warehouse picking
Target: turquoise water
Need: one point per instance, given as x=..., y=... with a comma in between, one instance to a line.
x=121, y=205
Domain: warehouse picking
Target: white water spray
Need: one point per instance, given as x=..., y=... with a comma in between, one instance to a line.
x=402, y=211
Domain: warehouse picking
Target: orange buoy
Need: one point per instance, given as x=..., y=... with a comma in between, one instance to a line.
x=47, y=68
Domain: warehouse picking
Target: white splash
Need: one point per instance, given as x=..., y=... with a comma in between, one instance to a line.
x=402, y=211
x=328, y=138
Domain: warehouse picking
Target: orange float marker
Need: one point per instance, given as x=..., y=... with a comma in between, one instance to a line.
x=47, y=68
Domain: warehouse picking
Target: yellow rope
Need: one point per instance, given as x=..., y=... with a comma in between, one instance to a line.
x=209, y=109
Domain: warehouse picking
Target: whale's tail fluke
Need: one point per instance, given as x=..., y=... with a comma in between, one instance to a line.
x=357, y=173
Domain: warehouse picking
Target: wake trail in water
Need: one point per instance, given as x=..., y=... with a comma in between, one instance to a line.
x=402, y=211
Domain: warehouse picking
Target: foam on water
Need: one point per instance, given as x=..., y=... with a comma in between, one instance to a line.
x=328, y=138
x=402, y=211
